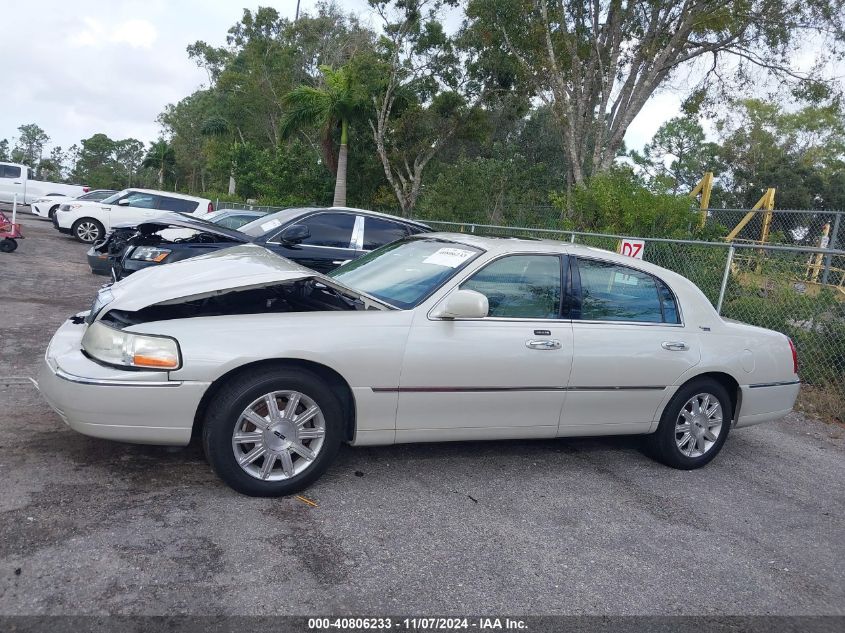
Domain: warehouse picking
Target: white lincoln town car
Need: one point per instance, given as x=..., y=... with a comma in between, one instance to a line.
x=432, y=338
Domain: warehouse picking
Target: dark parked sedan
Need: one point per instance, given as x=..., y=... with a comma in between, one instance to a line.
x=319, y=238
x=102, y=255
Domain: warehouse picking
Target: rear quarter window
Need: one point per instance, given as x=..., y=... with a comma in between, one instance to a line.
x=177, y=204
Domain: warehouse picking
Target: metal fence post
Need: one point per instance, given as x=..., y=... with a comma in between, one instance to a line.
x=831, y=245
x=725, y=277
x=572, y=238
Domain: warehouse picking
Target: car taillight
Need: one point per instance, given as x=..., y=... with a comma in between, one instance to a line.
x=794, y=356
x=210, y=208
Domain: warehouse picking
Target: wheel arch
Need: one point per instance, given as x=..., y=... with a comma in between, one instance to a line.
x=336, y=382
x=730, y=384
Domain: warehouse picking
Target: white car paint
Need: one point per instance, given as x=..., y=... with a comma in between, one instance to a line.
x=15, y=181
x=43, y=205
x=109, y=215
x=415, y=377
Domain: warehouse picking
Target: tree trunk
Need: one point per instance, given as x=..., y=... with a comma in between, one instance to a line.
x=340, y=183
x=231, y=185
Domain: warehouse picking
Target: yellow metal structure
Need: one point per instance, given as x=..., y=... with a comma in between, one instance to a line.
x=704, y=187
x=814, y=266
x=766, y=203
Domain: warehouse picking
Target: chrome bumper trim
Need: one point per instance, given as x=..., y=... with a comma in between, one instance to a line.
x=775, y=384
x=105, y=382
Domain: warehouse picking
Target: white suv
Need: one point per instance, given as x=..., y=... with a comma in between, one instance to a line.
x=88, y=221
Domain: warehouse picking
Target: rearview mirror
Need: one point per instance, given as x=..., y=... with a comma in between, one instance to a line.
x=463, y=304
x=295, y=233
x=124, y=202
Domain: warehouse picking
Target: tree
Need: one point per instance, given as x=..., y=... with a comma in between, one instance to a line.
x=597, y=62
x=336, y=103
x=94, y=164
x=161, y=158
x=800, y=152
x=128, y=158
x=416, y=95
x=53, y=168
x=619, y=202
x=678, y=155
x=30, y=144
x=4, y=149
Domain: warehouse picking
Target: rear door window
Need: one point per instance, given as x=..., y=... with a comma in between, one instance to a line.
x=612, y=292
x=378, y=232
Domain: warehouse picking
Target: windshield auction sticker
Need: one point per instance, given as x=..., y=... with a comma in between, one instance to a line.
x=450, y=257
x=272, y=224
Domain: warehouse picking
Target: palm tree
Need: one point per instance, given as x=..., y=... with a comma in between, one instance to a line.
x=336, y=103
x=162, y=158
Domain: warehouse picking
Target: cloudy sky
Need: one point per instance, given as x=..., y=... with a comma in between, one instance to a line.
x=90, y=66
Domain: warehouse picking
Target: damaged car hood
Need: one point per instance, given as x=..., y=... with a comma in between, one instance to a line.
x=236, y=268
x=178, y=221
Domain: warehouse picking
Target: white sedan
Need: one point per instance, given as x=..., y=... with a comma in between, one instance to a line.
x=432, y=338
x=46, y=206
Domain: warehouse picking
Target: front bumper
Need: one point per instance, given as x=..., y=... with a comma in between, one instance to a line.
x=142, y=407
x=41, y=209
x=100, y=263
x=56, y=224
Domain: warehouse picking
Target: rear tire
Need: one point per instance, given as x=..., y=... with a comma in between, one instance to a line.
x=8, y=245
x=694, y=425
x=262, y=452
x=87, y=230
x=52, y=212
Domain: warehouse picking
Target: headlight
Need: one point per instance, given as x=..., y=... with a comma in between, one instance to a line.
x=150, y=254
x=116, y=347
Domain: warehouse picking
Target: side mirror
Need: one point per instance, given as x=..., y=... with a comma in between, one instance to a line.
x=295, y=234
x=463, y=304
x=123, y=202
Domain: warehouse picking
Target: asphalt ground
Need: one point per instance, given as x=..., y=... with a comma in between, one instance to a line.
x=580, y=526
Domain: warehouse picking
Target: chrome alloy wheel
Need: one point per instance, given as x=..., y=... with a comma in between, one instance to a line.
x=279, y=435
x=87, y=231
x=698, y=425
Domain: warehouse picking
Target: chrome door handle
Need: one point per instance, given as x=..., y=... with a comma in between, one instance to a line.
x=675, y=346
x=542, y=344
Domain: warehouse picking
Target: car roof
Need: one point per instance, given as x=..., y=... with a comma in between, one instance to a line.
x=292, y=213
x=504, y=245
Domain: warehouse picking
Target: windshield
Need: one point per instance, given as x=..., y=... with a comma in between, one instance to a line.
x=406, y=272
x=115, y=197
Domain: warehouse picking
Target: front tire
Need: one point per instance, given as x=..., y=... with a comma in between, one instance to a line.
x=694, y=425
x=52, y=212
x=272, y=432
x=8, y=245
x=87, y=230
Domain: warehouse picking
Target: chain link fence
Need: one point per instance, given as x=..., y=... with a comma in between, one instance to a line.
x=240, y=206
x=773, y=286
